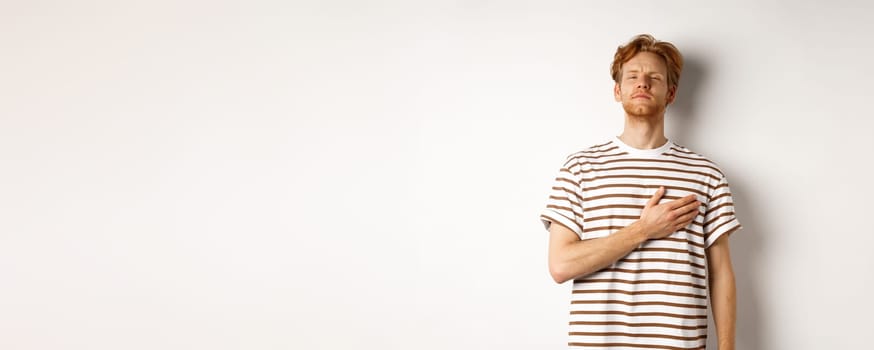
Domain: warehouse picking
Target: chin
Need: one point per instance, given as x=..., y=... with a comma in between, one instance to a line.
x=643, y=111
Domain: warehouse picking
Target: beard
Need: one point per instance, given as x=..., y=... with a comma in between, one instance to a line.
x=643, y=110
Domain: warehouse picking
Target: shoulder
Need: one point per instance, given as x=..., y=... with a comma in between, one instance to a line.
x=605, y=148
x=683, y=154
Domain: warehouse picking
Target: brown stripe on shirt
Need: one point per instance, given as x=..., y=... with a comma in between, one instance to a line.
x=618, y=280
x=694, y=233
x=639, y=303
x=638, y=335
x=633, y=345
x=605, y=217
x=729, y=231
x=716, y=208
x=724, y=194
x=685, y=273
x=553, y=206
x=708, y=223
x=615, y=206
x=639, y=314
x=640, y=292
x=716, y=229
x=569, y=192
x=685, y=171
x=648, y=177
x=626, y=185
x=629, y=324
x=645, y=160
x=627, y=195
x=570, y=181
x=684, y=151
x=672, y=261
x=566, y=199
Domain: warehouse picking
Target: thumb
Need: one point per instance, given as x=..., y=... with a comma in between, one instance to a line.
x=656, y=197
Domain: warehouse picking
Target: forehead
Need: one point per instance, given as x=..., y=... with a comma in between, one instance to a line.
x=646, y=62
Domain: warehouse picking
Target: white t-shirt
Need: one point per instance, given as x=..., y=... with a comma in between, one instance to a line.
x=656, y=296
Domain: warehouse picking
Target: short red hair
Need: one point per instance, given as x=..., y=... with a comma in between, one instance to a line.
x=646, y=43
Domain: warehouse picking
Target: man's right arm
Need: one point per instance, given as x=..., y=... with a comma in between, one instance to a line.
x=570, y=257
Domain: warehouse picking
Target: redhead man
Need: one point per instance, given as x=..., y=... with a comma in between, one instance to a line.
x=640, y=224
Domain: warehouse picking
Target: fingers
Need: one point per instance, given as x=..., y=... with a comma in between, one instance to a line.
x=688, y=217
x=691, y=207
x=689, y=213
x=682, y=202
x=656, y=197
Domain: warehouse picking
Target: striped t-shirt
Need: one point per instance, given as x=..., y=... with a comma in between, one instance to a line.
x=656, y=296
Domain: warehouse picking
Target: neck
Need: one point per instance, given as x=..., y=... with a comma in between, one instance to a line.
x=644, y=132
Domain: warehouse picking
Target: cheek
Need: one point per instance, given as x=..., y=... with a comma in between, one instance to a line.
x=626, y=89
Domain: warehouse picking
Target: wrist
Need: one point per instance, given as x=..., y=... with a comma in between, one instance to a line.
x=638, y=232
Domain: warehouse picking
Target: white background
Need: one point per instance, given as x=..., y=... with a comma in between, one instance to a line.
x=364, y=174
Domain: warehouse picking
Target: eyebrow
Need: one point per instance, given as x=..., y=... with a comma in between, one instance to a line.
x=638, y=72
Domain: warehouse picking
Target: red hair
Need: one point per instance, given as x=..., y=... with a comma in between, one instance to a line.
x=646, y=43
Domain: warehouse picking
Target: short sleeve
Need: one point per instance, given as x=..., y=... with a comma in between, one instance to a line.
x=719, y=219
x=564, y=205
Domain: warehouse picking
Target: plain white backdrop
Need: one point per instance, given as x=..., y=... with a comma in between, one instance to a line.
x=369, y=174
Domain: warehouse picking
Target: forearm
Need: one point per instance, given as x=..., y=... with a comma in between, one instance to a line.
x=723, y=300
x=583, y=257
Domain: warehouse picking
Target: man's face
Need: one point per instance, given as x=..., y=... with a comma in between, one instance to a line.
x=643, y=88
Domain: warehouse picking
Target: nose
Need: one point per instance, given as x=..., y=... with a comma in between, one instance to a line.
x=643, y=82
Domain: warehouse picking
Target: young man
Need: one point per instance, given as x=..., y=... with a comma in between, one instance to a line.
x=641, y=224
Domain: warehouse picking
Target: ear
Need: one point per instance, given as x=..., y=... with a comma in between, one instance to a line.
x=617, y=94
x=672, y=94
